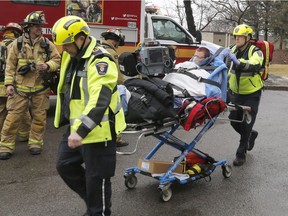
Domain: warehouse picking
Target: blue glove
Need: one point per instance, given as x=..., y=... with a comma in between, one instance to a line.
x=234, y=59
x=224, y=53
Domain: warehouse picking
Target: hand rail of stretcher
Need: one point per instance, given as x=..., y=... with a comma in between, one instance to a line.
x=146, y=129
x=246, y=113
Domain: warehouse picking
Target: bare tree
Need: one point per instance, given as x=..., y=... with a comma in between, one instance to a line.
x=208, y=13
x=189, y=17
x=279, y=21
x=265, y=17
x=180, y=12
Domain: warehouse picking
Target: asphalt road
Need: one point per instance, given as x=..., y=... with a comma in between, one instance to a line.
x=30, y=186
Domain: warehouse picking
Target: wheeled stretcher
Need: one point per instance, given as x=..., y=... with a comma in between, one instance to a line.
x=204, y=94
x=164, y=132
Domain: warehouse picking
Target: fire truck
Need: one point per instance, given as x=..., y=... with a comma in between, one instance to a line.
x=134, y=18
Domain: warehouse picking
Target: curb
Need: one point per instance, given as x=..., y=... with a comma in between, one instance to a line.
x=276, y=87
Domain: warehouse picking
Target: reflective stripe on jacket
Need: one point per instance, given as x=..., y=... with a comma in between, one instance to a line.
x=246, y=78
x=97, y=101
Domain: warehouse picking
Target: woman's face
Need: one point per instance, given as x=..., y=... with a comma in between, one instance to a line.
x=198, y=57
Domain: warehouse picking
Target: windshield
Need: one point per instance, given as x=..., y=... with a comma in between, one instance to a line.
x=34, y=2
x=168, y=30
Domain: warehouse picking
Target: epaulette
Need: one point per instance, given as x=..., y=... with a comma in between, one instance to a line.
x=99, y=53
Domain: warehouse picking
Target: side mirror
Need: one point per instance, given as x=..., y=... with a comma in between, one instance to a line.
x=198, y=36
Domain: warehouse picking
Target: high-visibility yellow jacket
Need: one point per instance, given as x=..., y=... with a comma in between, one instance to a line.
x=245, y=78
x=33, y=80
x=94, y=98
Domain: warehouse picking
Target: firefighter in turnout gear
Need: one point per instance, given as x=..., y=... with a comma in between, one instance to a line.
x=10, y=32
x=30, y=57
x=112, y=39
x=245, y=86
x=87, y=100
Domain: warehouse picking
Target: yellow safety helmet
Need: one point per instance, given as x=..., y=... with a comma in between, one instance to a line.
x=243, y=30
x=66, y=28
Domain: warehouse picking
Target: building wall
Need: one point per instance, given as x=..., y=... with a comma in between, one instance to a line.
x=219, y=39
x=207, y=36
x=222, y=39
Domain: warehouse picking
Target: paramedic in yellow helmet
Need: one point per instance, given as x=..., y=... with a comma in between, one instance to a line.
x=30, y=58
x=87, y=100
x=10, y=32
x=245, y=86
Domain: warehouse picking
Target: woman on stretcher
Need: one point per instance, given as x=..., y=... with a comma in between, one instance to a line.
x=200, y=87
x=205, y=75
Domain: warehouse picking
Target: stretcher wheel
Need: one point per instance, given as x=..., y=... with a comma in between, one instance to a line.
x=130, y=181
x=166, y=194
x=226, y=170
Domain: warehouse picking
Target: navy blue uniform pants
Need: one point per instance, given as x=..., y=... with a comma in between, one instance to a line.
x=244, y=128
x=87, y=171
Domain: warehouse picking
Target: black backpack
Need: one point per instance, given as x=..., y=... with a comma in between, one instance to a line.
x=3, y=53
x=128, y=64
x=151, y=99
x=3, y=57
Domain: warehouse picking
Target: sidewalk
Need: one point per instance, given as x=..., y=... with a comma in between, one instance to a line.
x=275, y=82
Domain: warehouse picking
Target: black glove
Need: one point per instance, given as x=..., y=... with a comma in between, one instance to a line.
x=26, y=68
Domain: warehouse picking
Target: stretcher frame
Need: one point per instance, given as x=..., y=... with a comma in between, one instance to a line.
x=164, y=133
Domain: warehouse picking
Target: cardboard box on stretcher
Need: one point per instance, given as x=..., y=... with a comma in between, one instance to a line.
x=156, y=167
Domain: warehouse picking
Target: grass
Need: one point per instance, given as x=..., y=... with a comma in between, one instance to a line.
x=279, y=69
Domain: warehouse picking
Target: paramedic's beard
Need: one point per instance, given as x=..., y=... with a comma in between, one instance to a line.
x=72, y=55
x=70, y=52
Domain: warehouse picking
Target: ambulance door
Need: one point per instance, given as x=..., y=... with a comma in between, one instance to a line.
x=170, y=33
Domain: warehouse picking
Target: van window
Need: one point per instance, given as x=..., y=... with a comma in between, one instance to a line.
x=168, y=30
x=37, y=2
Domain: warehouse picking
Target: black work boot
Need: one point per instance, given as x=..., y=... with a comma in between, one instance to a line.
x=252, y=139
x=122, y=143
x=5, y=155
x=35, y=151
x=240, y=157
x=239, y=161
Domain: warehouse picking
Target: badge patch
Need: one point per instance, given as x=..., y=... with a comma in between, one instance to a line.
x=102, y=68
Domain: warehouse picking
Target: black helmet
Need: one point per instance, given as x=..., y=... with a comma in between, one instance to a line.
x=35, y=17
x=114, y=34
